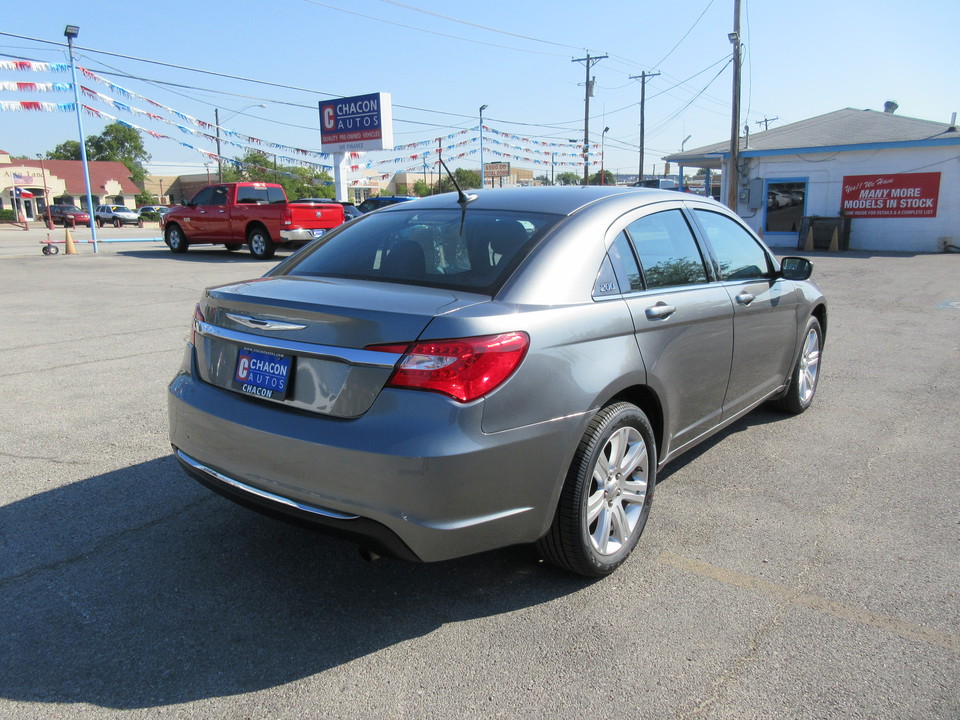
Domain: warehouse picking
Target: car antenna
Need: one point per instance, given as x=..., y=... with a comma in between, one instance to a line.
x=463, y=198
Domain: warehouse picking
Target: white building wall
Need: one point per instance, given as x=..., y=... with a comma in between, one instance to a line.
x=824, y=173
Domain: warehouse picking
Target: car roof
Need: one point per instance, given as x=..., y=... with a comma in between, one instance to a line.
x=559, y=200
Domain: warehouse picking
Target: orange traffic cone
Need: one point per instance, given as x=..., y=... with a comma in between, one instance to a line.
x=71, y=250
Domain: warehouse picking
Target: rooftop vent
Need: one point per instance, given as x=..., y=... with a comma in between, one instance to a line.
x=890, y=107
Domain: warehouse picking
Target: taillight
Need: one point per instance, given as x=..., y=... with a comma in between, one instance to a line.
x=463, y=368
x=197, y=318
x=286, y=217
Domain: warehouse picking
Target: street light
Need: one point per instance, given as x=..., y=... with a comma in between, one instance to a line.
x=216, y=118
x=71, y=32
x=603, y=137
x=483, y=174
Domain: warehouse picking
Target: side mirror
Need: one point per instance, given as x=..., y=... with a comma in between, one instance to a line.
x=796, y=268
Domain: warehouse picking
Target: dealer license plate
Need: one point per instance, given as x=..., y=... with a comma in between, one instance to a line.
x=317, y=233
x=262, y=373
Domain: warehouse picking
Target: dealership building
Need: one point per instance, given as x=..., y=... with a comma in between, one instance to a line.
x=30, y=185
x=887, y=182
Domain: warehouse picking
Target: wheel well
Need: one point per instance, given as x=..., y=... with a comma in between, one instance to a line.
x=645, y=399
x=257, y=225
x=820, y=313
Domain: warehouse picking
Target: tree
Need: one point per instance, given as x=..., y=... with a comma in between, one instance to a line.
x=117, y=142
x=421, y=188
x=298, y=182
x=568, y=178
x=467, y=179
x=543, y=180
x=608, y=178
x=67, y=150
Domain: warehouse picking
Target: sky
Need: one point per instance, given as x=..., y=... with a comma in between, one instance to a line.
x=440, y=61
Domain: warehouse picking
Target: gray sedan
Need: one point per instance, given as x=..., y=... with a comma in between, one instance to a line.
x=460, y=373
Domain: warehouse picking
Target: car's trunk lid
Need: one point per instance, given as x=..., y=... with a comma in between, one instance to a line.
x=300, y=341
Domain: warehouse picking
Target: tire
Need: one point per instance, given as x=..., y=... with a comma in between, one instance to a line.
x=175, y=239
x=99, y=223
x=606, y=497
x=233, y=247
x=261, y=246
x=806, y=372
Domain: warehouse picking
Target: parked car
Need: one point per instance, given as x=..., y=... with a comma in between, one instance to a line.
x=116, y=215
x=379, y=201
x=257, y=213
x=448, y=376
x=158, y=209
x=350, y=210
x=68, y=216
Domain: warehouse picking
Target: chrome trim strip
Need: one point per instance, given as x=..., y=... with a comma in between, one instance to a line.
x=364, y=358
x=258, y=324
x=200, y=467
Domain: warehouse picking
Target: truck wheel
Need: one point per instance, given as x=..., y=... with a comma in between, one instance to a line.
x=261, y=246
x=175, y=239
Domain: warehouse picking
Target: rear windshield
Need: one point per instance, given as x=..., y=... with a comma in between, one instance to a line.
x=433, y=248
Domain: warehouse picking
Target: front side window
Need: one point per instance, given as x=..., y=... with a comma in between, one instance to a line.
x=739, y=255
x=434, y=248
x=668, y=251
x=202, y=197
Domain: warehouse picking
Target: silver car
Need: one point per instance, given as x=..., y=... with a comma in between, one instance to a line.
x=455, y=374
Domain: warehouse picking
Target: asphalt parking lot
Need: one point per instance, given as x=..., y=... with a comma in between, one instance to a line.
x=793, y=567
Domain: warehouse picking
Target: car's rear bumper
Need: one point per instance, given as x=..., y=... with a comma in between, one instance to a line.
x=432, y=487
x=300, y=235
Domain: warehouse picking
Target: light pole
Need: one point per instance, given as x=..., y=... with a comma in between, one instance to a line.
x=603, y=137
x=71, y=32
x=46, y=202
x=216, y=120
x=483, y=174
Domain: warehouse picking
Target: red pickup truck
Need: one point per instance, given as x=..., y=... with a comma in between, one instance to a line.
x=258, y=214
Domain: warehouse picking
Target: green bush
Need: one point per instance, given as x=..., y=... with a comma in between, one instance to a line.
x=152, y=216
x=7, y=216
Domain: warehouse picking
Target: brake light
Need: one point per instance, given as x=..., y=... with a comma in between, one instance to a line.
x=197, y=318
x=286, y=217
x=463, y=368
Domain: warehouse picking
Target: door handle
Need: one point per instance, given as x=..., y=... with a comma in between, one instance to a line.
x=202, y=212
x=659, y=311
x=221, y=211
x=745, y=298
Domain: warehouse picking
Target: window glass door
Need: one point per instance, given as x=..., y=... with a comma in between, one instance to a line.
x=786, y=201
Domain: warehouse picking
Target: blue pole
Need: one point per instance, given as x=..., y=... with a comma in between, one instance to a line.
x=83, y=144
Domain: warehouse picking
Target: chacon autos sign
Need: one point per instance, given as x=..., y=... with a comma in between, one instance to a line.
x=890, y=196
x=357, y=124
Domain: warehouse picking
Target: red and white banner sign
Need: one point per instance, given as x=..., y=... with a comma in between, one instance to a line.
x=889, y=196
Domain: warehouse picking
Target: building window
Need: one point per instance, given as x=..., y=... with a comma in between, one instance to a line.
x=786, y=201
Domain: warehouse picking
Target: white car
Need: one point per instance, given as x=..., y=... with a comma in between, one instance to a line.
x=116, y=215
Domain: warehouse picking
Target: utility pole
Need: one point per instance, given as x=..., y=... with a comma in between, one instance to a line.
x=642, y=77
x=588, y=91
x=766, y=122
x=732, y=172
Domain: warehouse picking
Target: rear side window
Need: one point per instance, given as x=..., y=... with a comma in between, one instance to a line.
x=739, y=255
x=434, y=248
x=668, y=252
x=249, y=195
